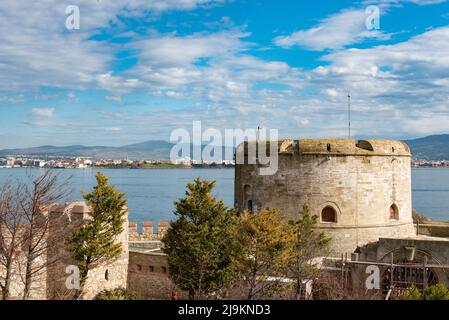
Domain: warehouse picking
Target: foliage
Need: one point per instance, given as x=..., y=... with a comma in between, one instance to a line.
x=115, y=294
x=412, y=294
x=264, y=243
x=95, y=242
x=434, y=292
x=200, y=243
x=307, y=243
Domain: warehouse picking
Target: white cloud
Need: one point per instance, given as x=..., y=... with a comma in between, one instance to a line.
x=396, y=89
x=331, y=92
x=114, y=98
x=214, y=66
x=43, y=112
x=37, y=50
x=176, y=51
x=418, y=2
x=40, y=117
x=393, y=86
x=113, y=129
x=71, y=96
x=302, y=121
x=334, y=32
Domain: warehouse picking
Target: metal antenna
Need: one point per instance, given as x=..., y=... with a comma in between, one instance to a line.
x=349, y=114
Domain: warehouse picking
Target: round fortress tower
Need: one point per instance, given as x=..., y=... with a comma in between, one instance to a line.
x=361, y=191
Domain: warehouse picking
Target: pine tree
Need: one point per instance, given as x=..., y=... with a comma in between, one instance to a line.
x=200, y=243
x=95, y=242
x=264, y=243
x=306, y=243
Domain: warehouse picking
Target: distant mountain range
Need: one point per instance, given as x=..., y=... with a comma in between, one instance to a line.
x=434, y=147
x=147, y=150
x=153, y=149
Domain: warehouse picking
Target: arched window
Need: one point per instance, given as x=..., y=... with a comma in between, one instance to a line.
x=394, y=212
x=328, y=214
x=106, y=275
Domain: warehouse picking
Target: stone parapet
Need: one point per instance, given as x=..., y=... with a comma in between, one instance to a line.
x=148, y=232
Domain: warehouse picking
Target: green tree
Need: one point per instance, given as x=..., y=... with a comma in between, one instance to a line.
x=115, y=294
x=199, y=244
x=436, y=292
x=264, y=243
x=306, y=243
x=94, y=242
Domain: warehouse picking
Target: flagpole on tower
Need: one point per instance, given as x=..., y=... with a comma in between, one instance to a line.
x=349, y=114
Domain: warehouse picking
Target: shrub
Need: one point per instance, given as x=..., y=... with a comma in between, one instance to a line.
x=115, y=294
x=412, y=294
x=436, y=292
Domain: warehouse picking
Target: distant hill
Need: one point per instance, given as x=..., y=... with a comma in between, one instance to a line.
x=153, y=149
x=147, y=150
x=434, y=147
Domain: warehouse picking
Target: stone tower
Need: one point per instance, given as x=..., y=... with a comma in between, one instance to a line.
x=106, y=276
x=360, y=191
x=54, y=265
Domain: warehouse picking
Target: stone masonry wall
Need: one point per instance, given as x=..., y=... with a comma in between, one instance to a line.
x=50, y=281
x=148, y=233
x=148, y=276
x=107, y=276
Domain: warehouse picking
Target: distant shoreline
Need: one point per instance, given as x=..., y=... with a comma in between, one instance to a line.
x=174, y=166
x=167, y=168
x=115, y=168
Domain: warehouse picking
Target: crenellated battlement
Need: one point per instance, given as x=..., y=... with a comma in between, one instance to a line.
x=147, y=232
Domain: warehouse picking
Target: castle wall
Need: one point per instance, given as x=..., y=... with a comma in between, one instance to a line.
x=432, y=229
x=148, y=232
x=49, y=268
x=148, y=276
x=107, y=276
x=359, y=186
x=38, y=287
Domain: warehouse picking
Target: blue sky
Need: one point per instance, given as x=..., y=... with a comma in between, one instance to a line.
x=138, y=69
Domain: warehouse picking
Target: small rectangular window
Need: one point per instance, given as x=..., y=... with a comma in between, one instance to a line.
x=151, y=268
x=250, y=206
x=164, y=270
x=139, y=267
